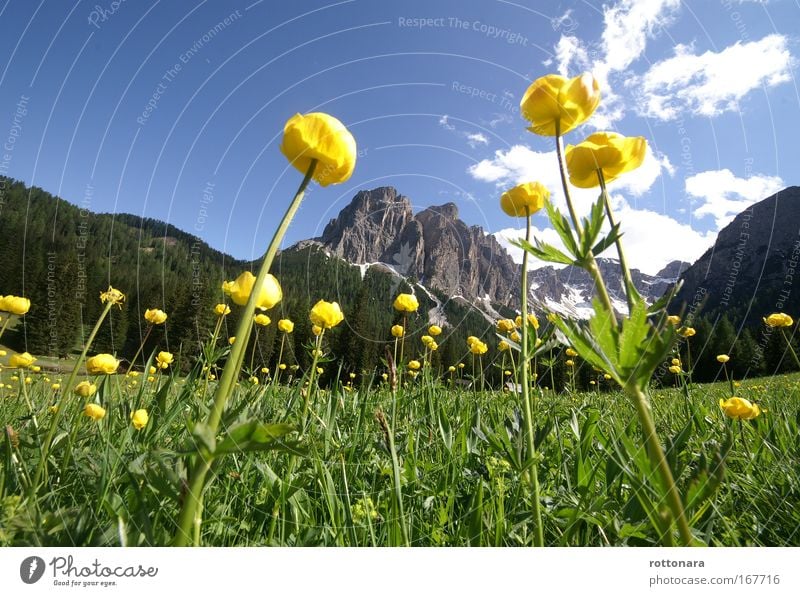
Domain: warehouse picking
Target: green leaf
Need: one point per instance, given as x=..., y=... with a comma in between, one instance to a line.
x=562, y=228
x=544, y=251
x=256, y=436
x=613, y=235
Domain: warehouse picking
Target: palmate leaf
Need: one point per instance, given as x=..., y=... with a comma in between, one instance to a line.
x=562, y=228
x=613, y=235
x=257, y=436
x=591, y=229
x=544, y=251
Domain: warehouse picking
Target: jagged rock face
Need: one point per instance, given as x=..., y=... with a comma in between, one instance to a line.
x=364, y=229
x=573, y=288
x=435, y=246
x=752, y=269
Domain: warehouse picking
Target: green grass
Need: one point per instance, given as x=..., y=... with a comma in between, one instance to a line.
x=458, y=459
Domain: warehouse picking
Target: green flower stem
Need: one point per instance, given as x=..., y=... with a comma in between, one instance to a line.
x=42, y=467
x=593, y=269
x=791, y=349
x=5, y=324
x=659, y=460
x=626, y=272
x=538, y=538
x=230, y=372
x=141, y=347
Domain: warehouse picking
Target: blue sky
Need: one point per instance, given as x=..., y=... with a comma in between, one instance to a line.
x=174, y=110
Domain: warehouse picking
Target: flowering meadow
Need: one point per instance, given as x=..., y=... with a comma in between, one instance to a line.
x=413, y=453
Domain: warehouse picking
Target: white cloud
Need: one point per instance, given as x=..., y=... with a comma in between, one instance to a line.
x=444, y=122
x=651, y=239
x=713, y=82
x=570, y=50
x=476, y=138
x=522, y=164
x=723, y=195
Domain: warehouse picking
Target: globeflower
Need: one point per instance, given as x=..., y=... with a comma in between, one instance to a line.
x=262, y=320
x=503, y=345
x=16, y=305
x=94, y=412
x=155, y=316
x=674, y=320
x=164, y=359
x=324, y=138
x=505, y=326
x=113, y=296
x=414, y=364
x=139, y=419
x=434, y=330
x=23, y=360
x=675, y=369
x=406, y=303
x=571, y=353
x=606, y=152
x=723, y=358
x=269, y=295
x=524, y=200
x=85, y=389
x=397, y=331
x=532, y=320
x=687, y=331
x=779, y=319
x=222, y=309
x=286, y=325
x=326, y=314
x=478, y=347
x=555, y=105
x=739, y=408
x=102, y=364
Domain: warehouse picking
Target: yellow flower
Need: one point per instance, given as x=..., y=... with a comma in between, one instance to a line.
x=282, y=366
x=85, y=389
x=324, y=138
x=478, y=347
x=414, y=365
x=607, y=377
x=570, y=363
x=503, y=345
x=525, y=199
x=222, y=309
x=16, y=305
x=326, y=314
x=515, y=337
x=155, y=316
x=385, y=377
x=23, y=360
x=139, y=419
x=687, y=331
x=164, y=359
x=451, y=369
x=316, y=329
x=113, y=296
x=36, y=368
x=265, y=370
x=94, y=411
x=505, y=326
x=152, y=371
x=779, y=319
x=532, y=320
x=240, y=289
x=397, y=331
x=413, y=374
x=571, y=353
x=102, y=364
x=406, y=303
x=507, y=373
x=432, y=346
x=610, y=152
x=675, y=369
x=723, y=358
x=461, y=365
x=675, y=362
x=739, y=408
x=426, y=339
x=3, y=353
x=435, y=330
x=262, y=320
x=286, y=325
x=352, y=375
x=674, y=320
x=553, y=99
x=232, y=340
x=320, y=370
x=254, y=380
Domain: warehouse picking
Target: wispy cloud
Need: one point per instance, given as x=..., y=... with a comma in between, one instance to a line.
x=711, y=83
x=722, y=195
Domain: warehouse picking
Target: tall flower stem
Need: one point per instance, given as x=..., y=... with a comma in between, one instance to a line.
x=626, y=272
x=186, y=517
x=791, y=349
x=538, y=538
x=592, y=267
x=141, y=346
x=42, y=467
x=5, y=324
x=658, y=458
